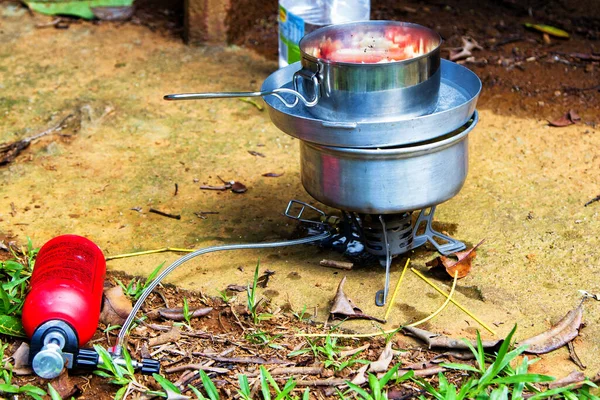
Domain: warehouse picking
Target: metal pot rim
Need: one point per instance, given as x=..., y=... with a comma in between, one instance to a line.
x=319, y=31
x=407, y=150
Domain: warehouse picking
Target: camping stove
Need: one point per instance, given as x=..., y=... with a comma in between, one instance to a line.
x=377, y=171
x=381, y=173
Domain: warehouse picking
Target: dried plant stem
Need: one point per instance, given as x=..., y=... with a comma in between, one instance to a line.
x=448, y=300
x=470, y=314
x=142, y=253
x=391, y=303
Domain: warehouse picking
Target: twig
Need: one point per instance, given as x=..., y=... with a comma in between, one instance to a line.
x=202, y=367
x=321, y=382
x=506, y=41
x=421, y=372
x=595, y=199
x=292, y=371
x=337, y=264
x=242, y=360
x=164, y=214
x=574, y=356
x=576, y=89
x=176, y=190
x=13, y=149
x=351, y=352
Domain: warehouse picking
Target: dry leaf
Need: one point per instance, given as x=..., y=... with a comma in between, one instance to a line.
x=168, y=337
x=64, y=385
x=573, y=377
x=360, y=377
x=460, y=266
x=560, y=334
x=176, y=314
x=384, y=360
x=20, y=360
x=436, y=340
x=116, y=307
x=238, y=187
x=343, y=308
x=569, y=118
x=236, y=288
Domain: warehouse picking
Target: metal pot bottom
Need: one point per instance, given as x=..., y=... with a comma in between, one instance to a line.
x=387, y=181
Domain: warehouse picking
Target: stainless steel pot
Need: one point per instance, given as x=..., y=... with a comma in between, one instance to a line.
x=387, y=181
x=370, y=91
x=334, y=91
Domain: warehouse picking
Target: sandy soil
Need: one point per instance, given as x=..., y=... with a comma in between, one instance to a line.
x=126, y=148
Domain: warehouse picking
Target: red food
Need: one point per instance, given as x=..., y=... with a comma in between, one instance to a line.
x=394, y=45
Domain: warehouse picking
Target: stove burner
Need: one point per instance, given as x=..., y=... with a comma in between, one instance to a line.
x=398, y=232
x=384, y=236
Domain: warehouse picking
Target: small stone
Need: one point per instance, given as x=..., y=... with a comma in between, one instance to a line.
x=541, y=103
x=557, y=93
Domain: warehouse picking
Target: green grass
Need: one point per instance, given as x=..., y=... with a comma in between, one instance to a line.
x=493, y=377
x=253, y=303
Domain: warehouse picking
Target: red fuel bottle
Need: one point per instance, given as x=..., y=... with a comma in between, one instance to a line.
x=62, y=308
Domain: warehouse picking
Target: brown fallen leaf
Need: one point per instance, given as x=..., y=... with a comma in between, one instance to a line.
x=436, y=340
x=20, y=360
x=263, y=280
x=238, y=187
x=573, y=377
x=176, y=314
x=560, y=334
x=65, y=385
x=172, y=335
x=272, y=175
x=236, y=288
x=116, y=306
x=343, y=308
x=384, y=360
x=460, y=266
x=569, y=118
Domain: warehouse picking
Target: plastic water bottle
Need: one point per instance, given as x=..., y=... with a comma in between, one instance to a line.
x=299, y=17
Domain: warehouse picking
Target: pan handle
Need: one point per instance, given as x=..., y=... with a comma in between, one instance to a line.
x=220, y=95
x=304, y=75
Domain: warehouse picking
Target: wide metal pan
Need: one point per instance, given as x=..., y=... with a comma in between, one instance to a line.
x=459, y=91
x=387, y=181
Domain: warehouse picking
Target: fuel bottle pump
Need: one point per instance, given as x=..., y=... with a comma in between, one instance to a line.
x=62, y=309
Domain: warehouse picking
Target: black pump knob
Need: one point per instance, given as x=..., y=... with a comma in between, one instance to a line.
x=150, y=366
x=86, y=359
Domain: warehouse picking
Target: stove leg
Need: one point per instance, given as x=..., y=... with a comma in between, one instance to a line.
x=381, y=295
x=448, y=246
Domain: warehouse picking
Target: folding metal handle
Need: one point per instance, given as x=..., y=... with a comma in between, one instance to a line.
x=221, y=95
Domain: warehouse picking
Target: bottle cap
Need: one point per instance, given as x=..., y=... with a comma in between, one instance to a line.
x=48, y=362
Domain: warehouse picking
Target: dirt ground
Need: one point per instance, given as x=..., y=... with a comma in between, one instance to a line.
x=125, y=151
